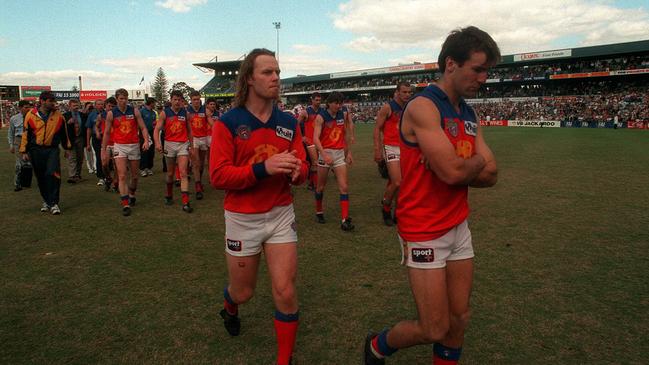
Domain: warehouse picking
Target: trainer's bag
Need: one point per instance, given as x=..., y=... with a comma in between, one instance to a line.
x=26, y=175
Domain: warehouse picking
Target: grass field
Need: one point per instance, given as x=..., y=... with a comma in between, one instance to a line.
x=562, y=266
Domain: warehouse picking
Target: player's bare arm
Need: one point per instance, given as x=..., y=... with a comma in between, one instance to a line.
x=104, y=141
x=381, y=117
x=349, y=127
x=317, y=130
x=156, y=131
x=421, y=124
x=301, y=118
x=349, y=138
x=189, y=135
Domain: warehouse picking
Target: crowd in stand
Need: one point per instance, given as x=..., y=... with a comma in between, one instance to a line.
x=625, y=104
x=360, y=83
x=570, y=66
x=599, y=108
x=514, y=73
x=575, y=87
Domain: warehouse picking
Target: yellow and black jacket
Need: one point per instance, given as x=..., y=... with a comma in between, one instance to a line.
x=38, y=133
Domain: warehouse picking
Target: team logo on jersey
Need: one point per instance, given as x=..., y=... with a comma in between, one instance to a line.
x=234, y=245
x=125, y=128
x=464, y=149
x=451, y=127
x=176, y=126
x=285, y=133
x=197, y=123
x=470, y=128
x=335, y=135
x=243, y=131
x=340, y=121
x=422, y=254
x=262, y=153
x=129, y=116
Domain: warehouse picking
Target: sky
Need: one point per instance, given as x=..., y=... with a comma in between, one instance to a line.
x=115, y=43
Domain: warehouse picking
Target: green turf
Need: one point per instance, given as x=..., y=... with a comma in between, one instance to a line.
x=561, y=266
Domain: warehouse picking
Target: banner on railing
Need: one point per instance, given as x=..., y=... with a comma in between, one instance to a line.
x=493, y=123
x=534, y=123
x=637, y=124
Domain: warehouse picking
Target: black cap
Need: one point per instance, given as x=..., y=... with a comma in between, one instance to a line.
x=47, y=95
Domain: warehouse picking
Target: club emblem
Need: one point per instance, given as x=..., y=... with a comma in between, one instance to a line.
x=451, y=127
x=243, y=131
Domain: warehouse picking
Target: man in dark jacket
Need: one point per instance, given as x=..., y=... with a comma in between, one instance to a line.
x=78, y=140
x=44, y=129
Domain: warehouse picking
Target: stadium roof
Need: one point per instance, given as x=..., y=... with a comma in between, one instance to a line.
x=220, y=66
x=520, y=58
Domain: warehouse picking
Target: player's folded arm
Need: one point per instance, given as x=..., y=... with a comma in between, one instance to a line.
x=438, y=151
x=489, y=174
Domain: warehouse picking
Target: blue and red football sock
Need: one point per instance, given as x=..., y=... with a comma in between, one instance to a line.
x=444, y=355
x=230, y=306
x=344, y=206
x=286, y=331
x=380, y=347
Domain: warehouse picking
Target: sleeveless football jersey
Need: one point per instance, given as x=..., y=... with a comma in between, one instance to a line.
x=309, y=123
x=198, y=121
x=391, y=125
x=333, y=130
x=176, y=125
x=427, y=207
x=124, y=126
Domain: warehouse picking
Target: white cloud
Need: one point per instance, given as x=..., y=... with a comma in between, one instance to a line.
x=411, y=58
x=516, y=26
x=180, y=6
x=177, y=62
x=124, y=72
x=63, y=79
x=303, y=64
x=310, y=48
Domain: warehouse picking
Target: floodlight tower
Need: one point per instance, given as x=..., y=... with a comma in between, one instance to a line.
x=277, y=25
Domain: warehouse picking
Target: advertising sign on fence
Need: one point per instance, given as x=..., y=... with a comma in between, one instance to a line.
x=65, y=94
x=534, y=123
x=493, y=123
x=92, y=95
x=32, y=92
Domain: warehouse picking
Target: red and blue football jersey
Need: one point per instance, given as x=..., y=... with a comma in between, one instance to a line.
x=124, y=128
x=333, y=130
x=427, y=207
x=176, y=125
x=198, y=121
x=240, y=145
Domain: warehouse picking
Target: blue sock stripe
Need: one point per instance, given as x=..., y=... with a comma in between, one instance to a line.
x=318, y=196
x=344, y=197
x=226, y=295
x=382, y=341
x=447, y=353
x=123, y=196
x=284, y=317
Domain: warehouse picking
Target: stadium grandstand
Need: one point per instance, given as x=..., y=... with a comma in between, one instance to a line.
x=221, y=86
x=592, y=86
